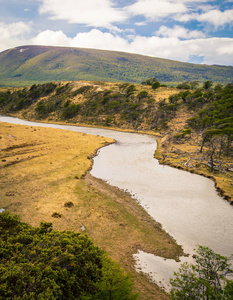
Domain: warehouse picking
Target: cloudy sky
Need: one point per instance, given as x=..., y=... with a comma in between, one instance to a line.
x=197, y=31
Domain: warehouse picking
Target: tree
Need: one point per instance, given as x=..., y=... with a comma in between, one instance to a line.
x=130, y=90
x=115, y=285
x=149, y=81
x=173, y=99
x=213, y=139
x=218, y=87
x=70, y=110
x=142, y=95
x=155, y=85
x=184, y=85
x=206, y=280
x=207, y=84
x=194, y=84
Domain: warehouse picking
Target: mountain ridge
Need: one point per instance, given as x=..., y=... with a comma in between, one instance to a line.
x=25, y=65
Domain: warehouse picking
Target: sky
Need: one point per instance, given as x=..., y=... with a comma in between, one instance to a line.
x=195, y=31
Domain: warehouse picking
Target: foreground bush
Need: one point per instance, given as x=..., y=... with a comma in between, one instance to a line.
x=41, y=263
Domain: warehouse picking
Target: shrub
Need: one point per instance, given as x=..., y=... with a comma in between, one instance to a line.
x=131, y=89
x=184, y=133
x=67, y=103
x=82, y=90
x=56, y=215
x=184, y=85
x=70, y=111
x=69, y=204
x=62, y=89
x=41, y=263
x=142, y=94
x=155, y=85
x=150, y=81
x=41, y=108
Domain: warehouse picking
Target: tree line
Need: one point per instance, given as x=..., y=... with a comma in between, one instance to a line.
x=213, y=117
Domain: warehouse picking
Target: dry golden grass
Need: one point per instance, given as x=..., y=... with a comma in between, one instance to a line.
x=42, y=163
x=42, y=179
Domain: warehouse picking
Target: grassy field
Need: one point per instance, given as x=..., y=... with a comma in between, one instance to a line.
x=44, y=177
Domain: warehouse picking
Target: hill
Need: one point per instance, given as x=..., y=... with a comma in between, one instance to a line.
x=26, y=65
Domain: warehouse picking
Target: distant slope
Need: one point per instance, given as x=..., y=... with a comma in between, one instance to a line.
x=34, y=64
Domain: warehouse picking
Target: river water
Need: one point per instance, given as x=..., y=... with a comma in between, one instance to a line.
x=187, y=205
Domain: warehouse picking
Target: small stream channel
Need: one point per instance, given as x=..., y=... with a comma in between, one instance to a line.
x=187, y=205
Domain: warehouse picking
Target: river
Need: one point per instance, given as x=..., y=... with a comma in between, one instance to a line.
x=187, y=205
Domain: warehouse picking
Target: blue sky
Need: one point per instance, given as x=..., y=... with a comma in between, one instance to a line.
x=196, y=31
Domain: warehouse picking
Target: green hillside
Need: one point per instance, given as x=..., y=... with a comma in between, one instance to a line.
x=26, y=65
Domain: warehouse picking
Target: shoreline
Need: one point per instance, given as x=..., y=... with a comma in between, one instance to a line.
x=158, y=153
x=159, y=156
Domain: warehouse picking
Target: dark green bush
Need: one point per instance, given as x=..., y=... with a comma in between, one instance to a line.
x=150, y=81
x=67, y=103
x=184, y=85
x=131, y=89
x=62, y=89
x=41, y=108
x=82, y=90
x=155, y=85
x=142, y=95
x=41, y=263
x=70, y=111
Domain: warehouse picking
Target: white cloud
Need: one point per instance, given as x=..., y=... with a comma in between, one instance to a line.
x=92, y=39
x=179, y=32
x=13, y=34
x=156, y=46
x=217, y=17
x=99, y=40
x=97, y=13
x=206, y=7
x=155, y=9
x=181, y=10
x=213, y=50
x=186, y=17
x=141, y=23
x=214, y=17
x=52, y=38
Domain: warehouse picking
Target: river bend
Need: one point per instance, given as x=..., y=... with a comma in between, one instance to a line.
x=187, y=205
